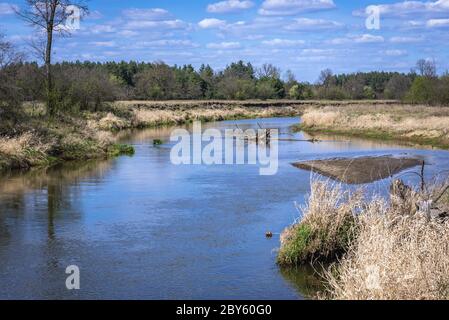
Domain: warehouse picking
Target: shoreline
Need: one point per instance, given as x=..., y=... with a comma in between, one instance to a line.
x=376, y=136
x=41, y=142
x=407, y=124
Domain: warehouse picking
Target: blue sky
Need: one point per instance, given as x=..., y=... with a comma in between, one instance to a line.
x=304, y=36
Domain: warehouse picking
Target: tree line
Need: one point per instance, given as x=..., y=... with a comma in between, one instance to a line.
x=85, y=85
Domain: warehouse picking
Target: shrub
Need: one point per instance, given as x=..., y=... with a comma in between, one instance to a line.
x=121, y=149
x=78, y=88
x=422, y=91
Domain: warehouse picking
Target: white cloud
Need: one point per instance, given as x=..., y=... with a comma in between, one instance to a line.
x=437, y=23
x=395, y=53
x=154, y=18
x=369, y=38
x=317, y=51
x=167, y=43
x=414, y=24
x=407, y=8
x=312, y=24
x=293, y=7
x=248, y=28
x=101, y=28
x=127, y=33
x=224, y=45
x=365, y=38
x=283, y=43
x=107, y=44
x=155, y=14
x=254, y=37
x=406, y=39
x=7, y=8
x=212, y=23
x=229, y=6
x=156, y=25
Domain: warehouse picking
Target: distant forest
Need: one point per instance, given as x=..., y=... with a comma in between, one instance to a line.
x=78, y=86
x=85, y=85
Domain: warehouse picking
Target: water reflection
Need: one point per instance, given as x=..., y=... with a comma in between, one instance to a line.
x=50, y=190
x=308, y=281
x=142, y=228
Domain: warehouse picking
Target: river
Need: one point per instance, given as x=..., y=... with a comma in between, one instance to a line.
x=142, y=228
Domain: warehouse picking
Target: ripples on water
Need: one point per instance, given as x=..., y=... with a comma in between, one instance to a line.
x=140, y=228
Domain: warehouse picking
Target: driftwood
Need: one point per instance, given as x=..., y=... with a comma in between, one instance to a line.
x=402, y=198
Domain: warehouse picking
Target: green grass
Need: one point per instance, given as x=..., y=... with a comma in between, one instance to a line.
x=297, y=250
x=308, y=245
x=121, y=149
x=157, y=142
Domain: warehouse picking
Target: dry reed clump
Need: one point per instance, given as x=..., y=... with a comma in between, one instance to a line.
x=104, y=138
x=415, y=123
x=327, y=227
x=401, y=251
x=112, y=123
x=395, y=257
x=387, y=249
x=149, y=118
x=23, y=151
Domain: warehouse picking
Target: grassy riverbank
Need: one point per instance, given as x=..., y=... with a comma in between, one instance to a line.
x=39, y=141
x=29, y=138
x=407, y=123
x=382, y=249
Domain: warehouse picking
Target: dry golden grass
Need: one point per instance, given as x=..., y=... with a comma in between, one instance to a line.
x=392, y=250
x=395, y=257
x=26, y=146
x=139, y=117
x=110, y=123
x=182, y=104
x=399, y=253
x=427, y=125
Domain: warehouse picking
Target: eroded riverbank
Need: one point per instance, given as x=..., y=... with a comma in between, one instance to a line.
x=34, y=140
x=409, y=124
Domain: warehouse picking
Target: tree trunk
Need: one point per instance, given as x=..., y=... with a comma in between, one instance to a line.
x=51, y=105
x=48, y=74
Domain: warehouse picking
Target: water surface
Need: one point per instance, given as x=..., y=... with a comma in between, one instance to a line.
x=141, y=228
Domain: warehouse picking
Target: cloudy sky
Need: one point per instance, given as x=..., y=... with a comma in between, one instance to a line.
x=304, y=36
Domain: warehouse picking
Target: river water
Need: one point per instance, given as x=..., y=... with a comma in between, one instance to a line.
x=142, y=228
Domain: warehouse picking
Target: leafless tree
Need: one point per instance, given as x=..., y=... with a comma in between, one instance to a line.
x=427, y=68
x=9, y=57
x=269, y=71
x=326, y=77
x=49, y=17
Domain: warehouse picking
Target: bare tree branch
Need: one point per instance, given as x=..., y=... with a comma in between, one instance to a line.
x=51, y=17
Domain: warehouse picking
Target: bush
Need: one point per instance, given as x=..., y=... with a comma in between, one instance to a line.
x=422, y=91
x=397, y=87
x=83, y=89
x=121, y=149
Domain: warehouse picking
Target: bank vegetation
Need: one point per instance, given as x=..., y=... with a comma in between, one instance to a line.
x=386, y=249
x=408, y=123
